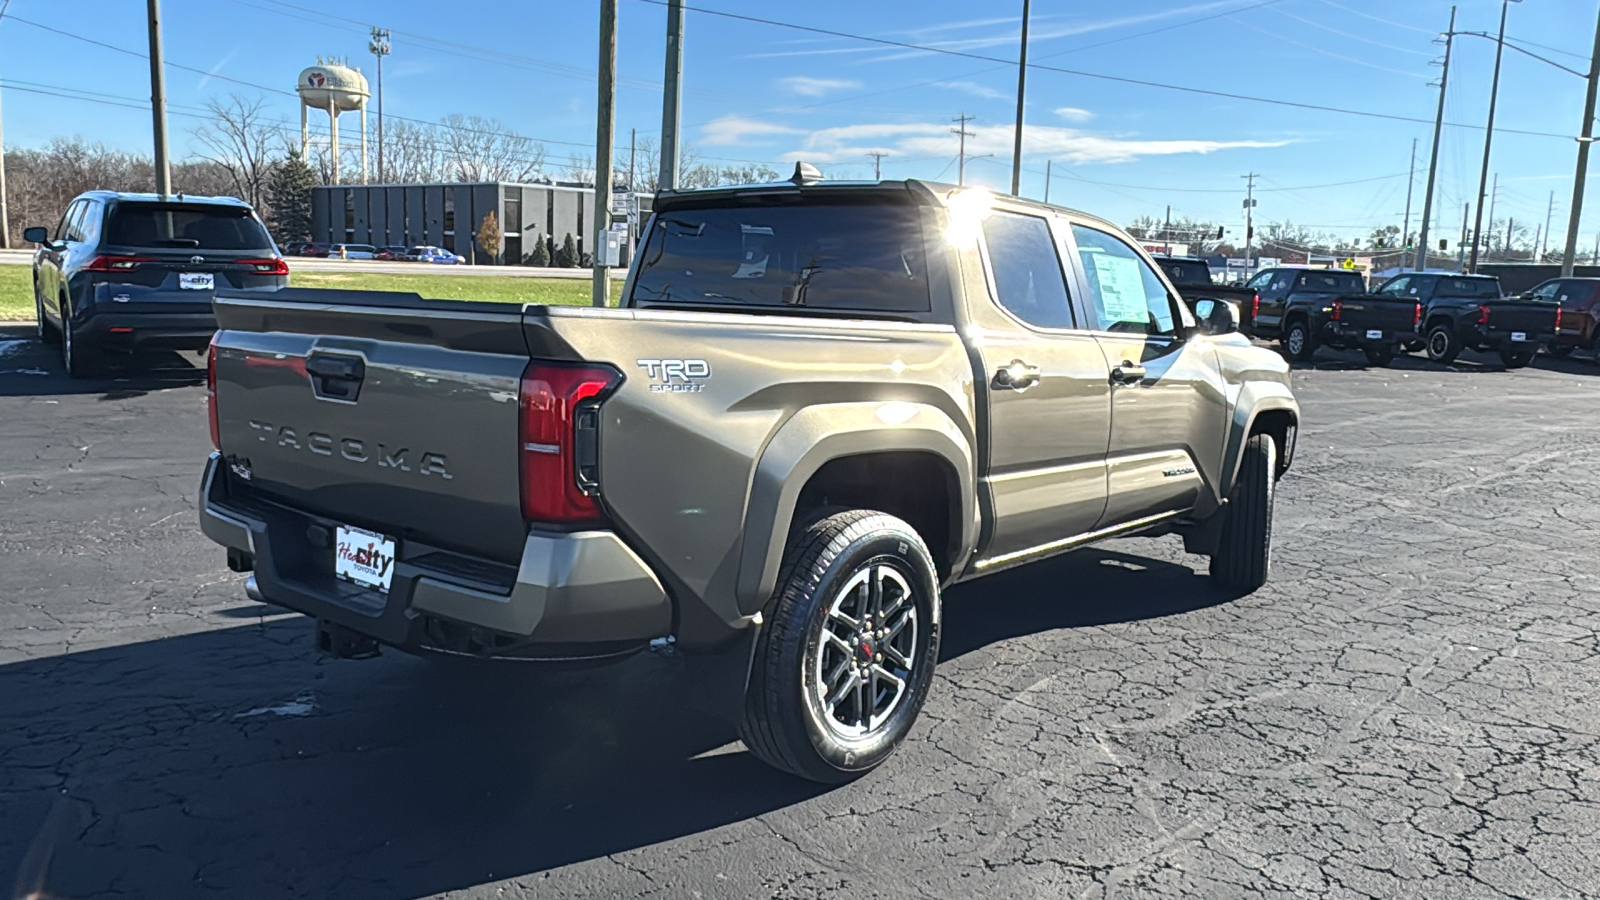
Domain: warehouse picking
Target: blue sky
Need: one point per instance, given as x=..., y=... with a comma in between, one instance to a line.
x=765, y=93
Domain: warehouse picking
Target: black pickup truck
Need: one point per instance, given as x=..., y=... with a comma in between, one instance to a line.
x=1192, y=278
x=1304, y=309
x=1467, y=312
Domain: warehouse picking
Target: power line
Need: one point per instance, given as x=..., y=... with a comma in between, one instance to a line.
x=905, y=45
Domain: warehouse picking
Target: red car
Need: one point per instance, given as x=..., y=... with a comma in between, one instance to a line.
x=392, y=254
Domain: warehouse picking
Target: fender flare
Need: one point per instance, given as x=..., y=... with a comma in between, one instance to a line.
x=819, y=434
x=1255, y=398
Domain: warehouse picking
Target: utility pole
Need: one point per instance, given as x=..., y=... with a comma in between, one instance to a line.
x=877, y=164
x=1249, y=219
x=1433, y=159
x=1488, y=134
x=158, y=103
x=1405, y=229
x=1047, y=181
x=606, y=121
x=1576, y=216
x=5, y=217
x=1461, y=248
x=379, y=45
x=671, y=98
x=1022, y=84
x=1549, y=213
x=961, y=160
x=1538, y=233
x=1494, y=194
x=1509, y=223
x=1166, y=231
x=633, y=157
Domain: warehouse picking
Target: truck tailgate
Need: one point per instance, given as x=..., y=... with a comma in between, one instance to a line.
x=1374, y=312
x=1520, y=316
x=380, y=411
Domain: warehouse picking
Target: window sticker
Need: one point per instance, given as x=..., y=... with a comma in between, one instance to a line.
x=1121, y=288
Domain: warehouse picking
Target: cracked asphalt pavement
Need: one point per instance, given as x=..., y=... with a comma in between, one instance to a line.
x=1411, y=708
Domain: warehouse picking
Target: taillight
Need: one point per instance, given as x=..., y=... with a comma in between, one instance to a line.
x=558, y=426
x=1338, y=310
x=1416, y=317
x=1558, y=320
x=115, y=263
x=1255, y=306
x=1483, y=315
x=211, y=392
x=273, y=266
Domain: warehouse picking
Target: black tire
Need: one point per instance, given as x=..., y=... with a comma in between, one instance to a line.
x=1243, y=559
x=1516, y=359
x=787, y=723
x=1443, y=346
x=1379, y=357
x=1559, y=351
x=47, y=332
x=1298, y=341
x=78, y=360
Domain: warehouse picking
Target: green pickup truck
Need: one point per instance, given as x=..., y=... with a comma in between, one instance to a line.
x=818, y=407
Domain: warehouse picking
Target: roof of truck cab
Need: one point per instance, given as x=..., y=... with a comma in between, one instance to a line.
x=158, y=198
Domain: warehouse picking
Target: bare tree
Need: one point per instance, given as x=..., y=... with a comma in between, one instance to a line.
x=579, y=168
x=484, y=149
x=414, y=153
x=240, y=138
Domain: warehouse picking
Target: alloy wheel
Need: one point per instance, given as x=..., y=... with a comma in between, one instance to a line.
x=867, y=651
x=1297, y=340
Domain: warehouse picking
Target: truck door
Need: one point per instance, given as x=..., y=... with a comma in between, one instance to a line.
x=1042, y=380
x=1274, y=300
x=1169, y=405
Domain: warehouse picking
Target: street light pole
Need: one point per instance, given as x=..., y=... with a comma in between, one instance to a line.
x=1574, y=220
x=1022, y=85
x=379, y=45
x=1433, y=160
x=1411, y=183
x=158, y=103
x=1488, y=134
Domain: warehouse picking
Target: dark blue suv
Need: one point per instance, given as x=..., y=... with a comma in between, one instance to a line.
x=126, y=272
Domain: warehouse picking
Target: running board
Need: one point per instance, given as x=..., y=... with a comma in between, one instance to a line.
x=1021, y=557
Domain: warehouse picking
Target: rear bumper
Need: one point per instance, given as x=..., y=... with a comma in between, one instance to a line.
x=1355, y=334
x=574, y=595
x=1491, y=337
x=148, y=330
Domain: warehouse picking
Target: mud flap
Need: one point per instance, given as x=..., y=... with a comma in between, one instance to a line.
x=717, y=679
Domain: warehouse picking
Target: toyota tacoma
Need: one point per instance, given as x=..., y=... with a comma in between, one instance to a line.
x=817, y=407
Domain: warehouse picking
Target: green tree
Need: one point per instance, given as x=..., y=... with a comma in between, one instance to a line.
x=566, y=256
x=541, y=253
x=288, y=191
x=489, y=236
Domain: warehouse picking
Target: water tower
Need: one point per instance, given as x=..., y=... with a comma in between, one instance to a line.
x=333, y=87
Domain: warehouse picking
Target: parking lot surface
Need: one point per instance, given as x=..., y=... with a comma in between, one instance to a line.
x=1411, y=708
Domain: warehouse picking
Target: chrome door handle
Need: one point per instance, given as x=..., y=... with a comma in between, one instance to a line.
x=1018, y=376
x=1127, y=373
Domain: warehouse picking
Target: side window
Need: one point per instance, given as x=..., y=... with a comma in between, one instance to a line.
x=1259, y=283
x=1027, y=270
x=87, y=225
x=64, y=228
x=1546, y=291
x=1395, y=288
x=1280, y=281
x=1126, y=294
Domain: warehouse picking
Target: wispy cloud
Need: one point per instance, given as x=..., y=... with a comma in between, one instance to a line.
x=1074, y=114
x=206, y=78
x=738, y=131
x=932, y=139
x=815, y=87
x=975, y=89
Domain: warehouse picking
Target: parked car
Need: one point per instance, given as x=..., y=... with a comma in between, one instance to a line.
x=391, y=254
x=1192, y=278
x=352, y=251
x=1467, y=312
x=1304, y=309
x=315, y=249
x=798, y=430
x=1579, y=325
x=437, y=255
x=127, y=272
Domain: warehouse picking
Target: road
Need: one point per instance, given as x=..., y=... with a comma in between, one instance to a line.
x=1410, y=709
x=296, y=263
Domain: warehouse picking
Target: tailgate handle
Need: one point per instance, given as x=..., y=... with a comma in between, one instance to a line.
x=336, y=377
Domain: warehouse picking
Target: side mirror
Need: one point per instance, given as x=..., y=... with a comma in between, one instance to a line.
x=36, y=235
x=1216, y=316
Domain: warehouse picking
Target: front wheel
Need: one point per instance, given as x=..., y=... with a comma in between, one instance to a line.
x=1298, y=343
x=843, y=663
x=1379, y=357
x=1443, y=345
x=1243, y=558
x=1516, y=359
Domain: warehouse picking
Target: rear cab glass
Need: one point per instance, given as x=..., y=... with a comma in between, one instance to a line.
x=1331, y=283
x=1488, y=288
x=836, y=254
x=1186, y=273
x=186, y=227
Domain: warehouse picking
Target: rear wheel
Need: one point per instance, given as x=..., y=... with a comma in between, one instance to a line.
x=1559, y=351
x=1379, y=356
x=1243, y=558
x=1516, y=359
x=80, y=362
x=844, y=661
x=1298, y=343
x=1443, y=346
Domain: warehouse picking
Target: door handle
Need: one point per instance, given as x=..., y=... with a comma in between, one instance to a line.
x=1127, y=373
x=1018, y=376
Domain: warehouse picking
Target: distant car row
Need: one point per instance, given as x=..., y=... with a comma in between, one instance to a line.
x=320, y=250
x=1441, y=313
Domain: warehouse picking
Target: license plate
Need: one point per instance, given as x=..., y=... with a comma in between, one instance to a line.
x=196, y=281
x=1374, y=335
x=1519, y=336
x=363, y=557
